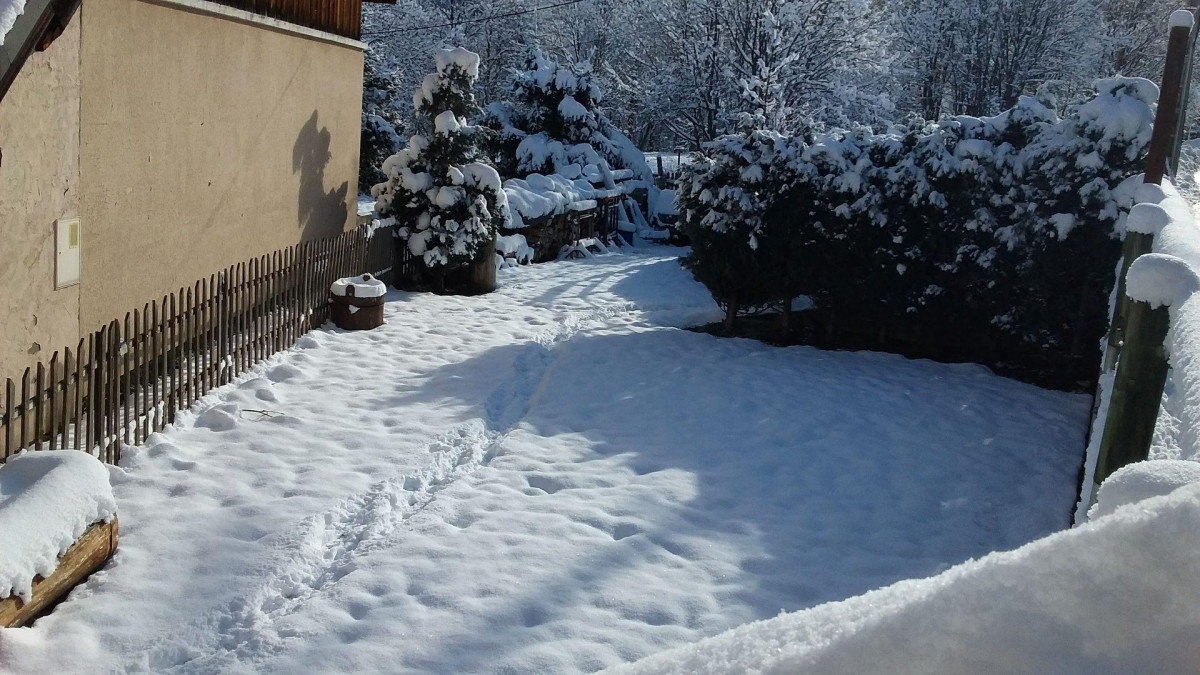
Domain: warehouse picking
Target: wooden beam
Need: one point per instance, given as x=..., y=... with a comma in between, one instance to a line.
x=85, y=556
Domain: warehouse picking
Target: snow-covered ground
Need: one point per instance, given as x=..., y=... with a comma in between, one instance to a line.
x=552, y=478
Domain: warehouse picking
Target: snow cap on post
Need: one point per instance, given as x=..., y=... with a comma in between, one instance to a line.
x=1182, y=18
x=1161, y=280
x=1147, y=218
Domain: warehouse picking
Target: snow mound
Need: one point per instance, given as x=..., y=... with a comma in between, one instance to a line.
x=1144, y=480
x=1116, y=595
x=47, y=501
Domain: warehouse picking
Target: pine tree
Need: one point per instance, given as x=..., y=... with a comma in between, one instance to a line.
x=381, y=125
x=449, y=201
x=555, y=125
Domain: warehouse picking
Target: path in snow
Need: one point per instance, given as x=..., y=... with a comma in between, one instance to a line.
x=552, y=478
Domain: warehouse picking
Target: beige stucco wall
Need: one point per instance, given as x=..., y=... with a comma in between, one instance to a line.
x=39, y=184
x=205, y=141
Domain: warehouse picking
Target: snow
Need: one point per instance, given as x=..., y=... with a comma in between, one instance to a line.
x=537, y=196
x=365, y=286
x=47, y=501
x=9, y=11
x=571, y=109
x=1182, y=18
x=1161, y=280
x=467, y=60
x=516, y=246
x=1147, y=218
x=551, y=478
x=1143, y=480
x=446, y=123
x=366, y=205
x=1115, y=596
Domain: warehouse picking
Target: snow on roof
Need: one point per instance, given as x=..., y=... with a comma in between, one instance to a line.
x=9, y=11
x=47, y=501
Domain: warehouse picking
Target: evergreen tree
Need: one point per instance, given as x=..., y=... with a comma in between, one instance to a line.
x=381, y=125
x=555, y=125
x=449, y=201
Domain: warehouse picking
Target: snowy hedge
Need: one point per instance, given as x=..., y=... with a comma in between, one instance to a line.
x=1002, y=229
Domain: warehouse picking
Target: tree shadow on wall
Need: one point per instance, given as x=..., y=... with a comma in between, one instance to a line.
x=322, y=213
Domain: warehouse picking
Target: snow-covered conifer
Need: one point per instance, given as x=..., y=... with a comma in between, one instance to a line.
x=440, y=188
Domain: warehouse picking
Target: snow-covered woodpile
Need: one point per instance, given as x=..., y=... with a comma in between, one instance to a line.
x=58, y=520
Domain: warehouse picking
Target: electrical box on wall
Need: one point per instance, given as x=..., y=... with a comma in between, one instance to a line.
x=68, y=238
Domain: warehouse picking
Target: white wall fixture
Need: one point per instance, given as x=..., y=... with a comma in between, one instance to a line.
x=68, y=238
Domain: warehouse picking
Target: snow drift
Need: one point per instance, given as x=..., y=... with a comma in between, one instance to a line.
x=1116, y=595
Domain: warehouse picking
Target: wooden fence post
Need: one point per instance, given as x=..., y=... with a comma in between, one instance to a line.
x=1138, y=332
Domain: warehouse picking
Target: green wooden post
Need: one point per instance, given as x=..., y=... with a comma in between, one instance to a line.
x=1138, y=332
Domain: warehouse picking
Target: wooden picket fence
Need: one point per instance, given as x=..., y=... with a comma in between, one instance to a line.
x=131, y=377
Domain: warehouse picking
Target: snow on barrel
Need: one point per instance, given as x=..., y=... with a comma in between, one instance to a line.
x=357, y=302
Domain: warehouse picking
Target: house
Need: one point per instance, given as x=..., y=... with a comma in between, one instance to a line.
x=145, y=144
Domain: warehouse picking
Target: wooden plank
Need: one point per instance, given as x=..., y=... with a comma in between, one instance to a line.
x=67, y=397
x=23, y=408
x=86, y=555
x=38, y=398
x=96, y=394
x=113, y=447
x=53, y=383
x=10, y=396
x=78, y=411
x=128, y=388
x=172, y=354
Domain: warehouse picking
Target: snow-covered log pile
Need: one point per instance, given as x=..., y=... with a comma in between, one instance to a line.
x=47, y=500
x=536, y=197
x=1001, y=230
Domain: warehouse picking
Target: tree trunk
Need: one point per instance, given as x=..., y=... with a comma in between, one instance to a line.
x=731, y=310
x=481, y=277
x=785, y=322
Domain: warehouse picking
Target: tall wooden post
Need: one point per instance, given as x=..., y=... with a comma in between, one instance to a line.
x=1138, y=332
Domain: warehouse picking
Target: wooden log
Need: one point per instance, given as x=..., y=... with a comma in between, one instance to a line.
x=86, y=555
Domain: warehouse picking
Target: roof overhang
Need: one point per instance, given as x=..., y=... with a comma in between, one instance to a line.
x=41, y=23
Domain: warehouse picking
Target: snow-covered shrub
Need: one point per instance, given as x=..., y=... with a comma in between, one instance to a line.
x=724, y=204
x=998, y=231
x=440, y=188
x=555, y=126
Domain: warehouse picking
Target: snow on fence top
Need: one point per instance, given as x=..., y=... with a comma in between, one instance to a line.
x=1115, y=595
x=9, y=11
x=47, y=501
x=1171, y=277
